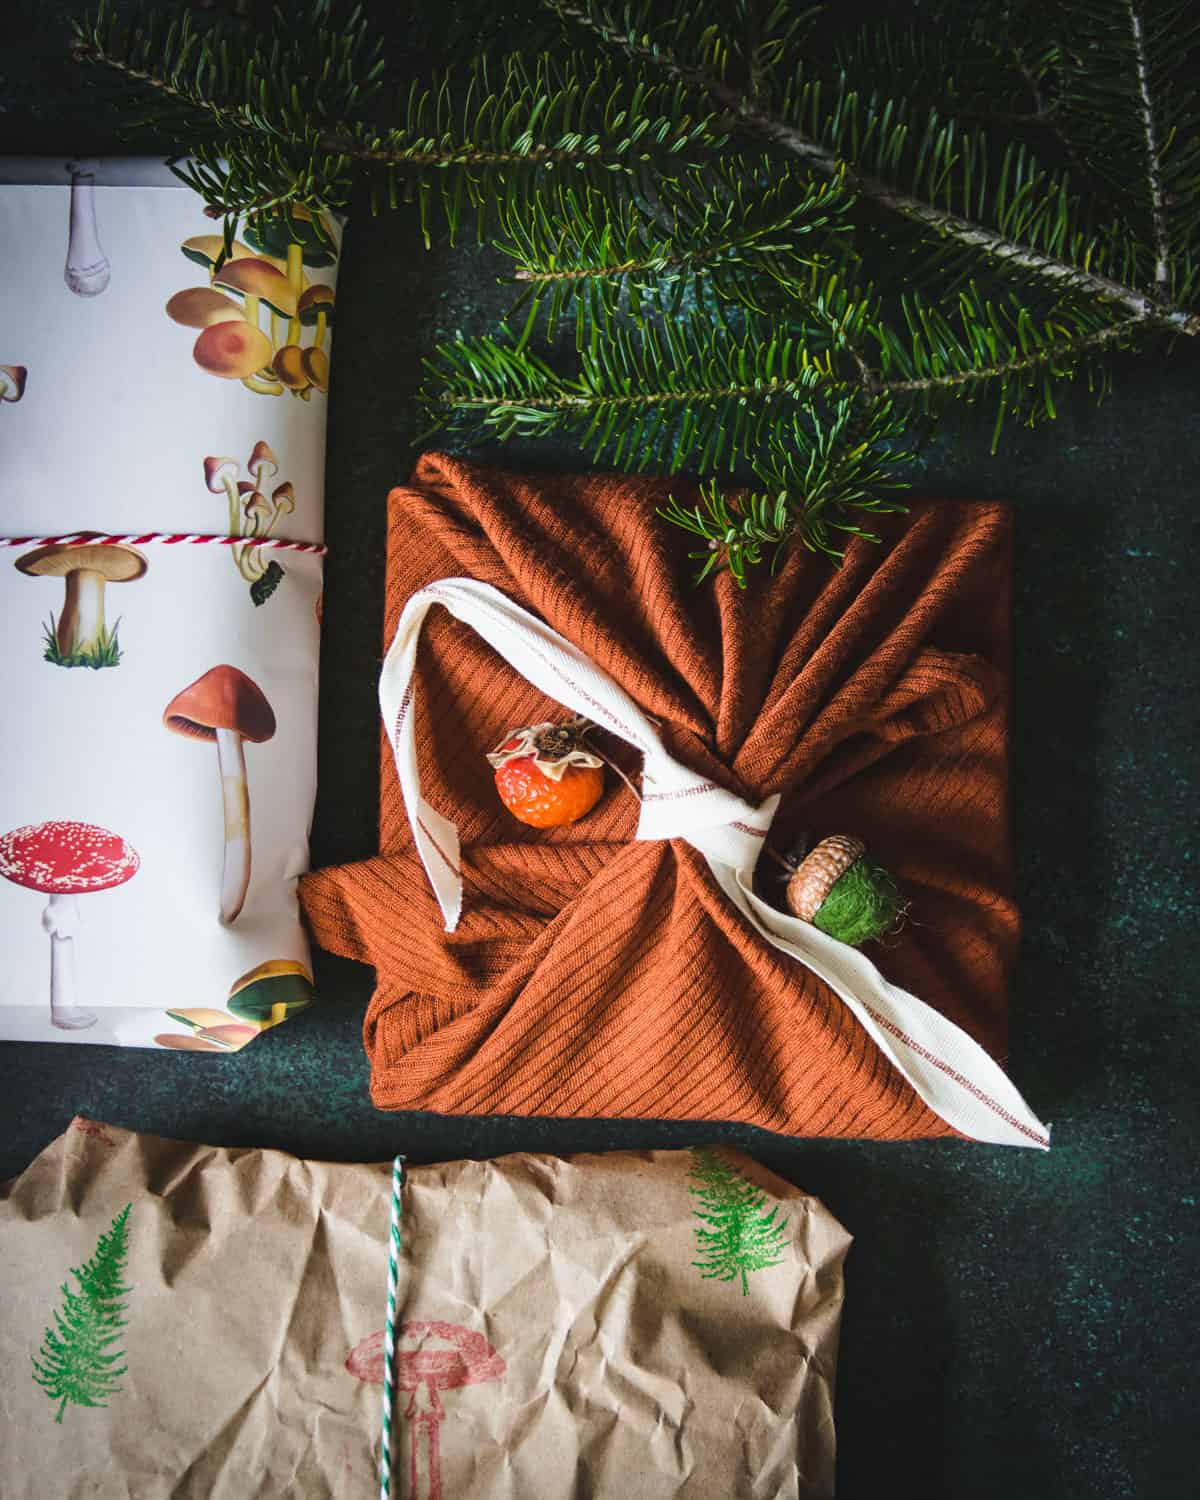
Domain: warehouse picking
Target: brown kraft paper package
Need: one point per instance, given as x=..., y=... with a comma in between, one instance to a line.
x=189, y=1321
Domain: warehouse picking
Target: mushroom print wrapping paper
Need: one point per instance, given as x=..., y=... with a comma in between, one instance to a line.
x=183, y=1321
x=162, y=450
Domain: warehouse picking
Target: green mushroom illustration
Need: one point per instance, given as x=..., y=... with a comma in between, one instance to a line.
x=80, y=638
x=271, y=992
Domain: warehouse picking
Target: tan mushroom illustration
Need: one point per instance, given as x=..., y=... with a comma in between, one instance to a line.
x=227, y=708
x=81, y=638
x=87, y=271
x=251, y=514
x=258, y=306
x=430, y=1357
x=64, y=860
x=12, y=382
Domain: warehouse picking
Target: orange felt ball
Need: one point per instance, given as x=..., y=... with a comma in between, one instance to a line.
x=537, y=799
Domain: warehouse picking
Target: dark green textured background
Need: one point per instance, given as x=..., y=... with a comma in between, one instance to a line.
x=1017, y=1325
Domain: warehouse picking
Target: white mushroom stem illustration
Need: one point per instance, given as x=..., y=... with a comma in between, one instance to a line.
x=87, y=271
x=227, y=707
x=60, y=921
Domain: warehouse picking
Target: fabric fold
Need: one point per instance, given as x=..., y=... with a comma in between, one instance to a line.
x=870, y=699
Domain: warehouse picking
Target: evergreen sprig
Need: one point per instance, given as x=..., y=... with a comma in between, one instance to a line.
x=771, y=257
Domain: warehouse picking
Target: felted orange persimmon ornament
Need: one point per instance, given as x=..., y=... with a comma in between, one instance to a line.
x=545, y=774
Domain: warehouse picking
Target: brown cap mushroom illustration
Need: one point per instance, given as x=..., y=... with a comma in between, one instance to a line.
x=430, y=1357
x=80, y=637
x=232, y=350
x=64, y=860
x=201, y=307
x=12, y=382
x=227, y=707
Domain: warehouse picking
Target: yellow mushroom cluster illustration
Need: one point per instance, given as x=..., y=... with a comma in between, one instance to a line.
x=80, y=637
x=261, y=320
x=252, y=513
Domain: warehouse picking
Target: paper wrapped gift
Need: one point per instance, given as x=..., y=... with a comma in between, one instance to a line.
x=632, y=962
x=162, y=441
x=200, y=1324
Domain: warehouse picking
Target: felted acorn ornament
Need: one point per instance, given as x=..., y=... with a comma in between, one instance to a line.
x=840, y=891
x=545, y=774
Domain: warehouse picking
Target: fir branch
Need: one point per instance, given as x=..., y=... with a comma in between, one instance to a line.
x=851, y=120
x=1154, y=185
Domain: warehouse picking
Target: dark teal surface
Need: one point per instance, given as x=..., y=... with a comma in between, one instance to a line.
x=1017, y=1325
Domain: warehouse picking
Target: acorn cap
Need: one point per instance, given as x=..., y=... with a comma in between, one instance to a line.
x=116, y=563
x=223, y=698
x=819, y=871
x=259, y=278
x=314, y=300
x=201, y=307
x=66, y=859
x=278, y=982
x=232, y=350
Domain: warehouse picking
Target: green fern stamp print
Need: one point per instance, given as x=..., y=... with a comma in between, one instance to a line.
x=735, y=1232
x=78, y=1361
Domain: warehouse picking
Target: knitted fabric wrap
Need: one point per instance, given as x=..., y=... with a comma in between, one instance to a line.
x=594, y=975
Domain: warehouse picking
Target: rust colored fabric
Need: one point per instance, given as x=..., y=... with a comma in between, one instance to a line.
x=595, y=975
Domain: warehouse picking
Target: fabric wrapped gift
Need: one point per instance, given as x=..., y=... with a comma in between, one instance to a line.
x=611, y=968
x=203, y=1324
x=162, y=442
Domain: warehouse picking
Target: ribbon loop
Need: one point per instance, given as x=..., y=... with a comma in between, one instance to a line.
x=953, y=1075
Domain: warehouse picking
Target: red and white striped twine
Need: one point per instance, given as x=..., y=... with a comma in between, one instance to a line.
x=168, y=538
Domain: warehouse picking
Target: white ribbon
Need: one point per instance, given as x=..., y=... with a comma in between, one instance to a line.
x=953, y=1075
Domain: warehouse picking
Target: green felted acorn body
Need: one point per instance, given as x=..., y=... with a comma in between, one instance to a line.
x=841, y=892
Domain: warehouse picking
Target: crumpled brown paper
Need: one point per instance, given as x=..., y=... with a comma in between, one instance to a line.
x=557, y=1332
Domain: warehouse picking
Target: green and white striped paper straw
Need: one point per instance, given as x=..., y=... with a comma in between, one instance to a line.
x=389, y=1331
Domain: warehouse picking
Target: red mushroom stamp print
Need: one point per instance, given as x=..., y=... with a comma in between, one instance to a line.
x=80, y=637
x=63, y=861
x=260, y=306
x=430, y=1357
x=226, y=708
x=251, y=514
x=12, y=382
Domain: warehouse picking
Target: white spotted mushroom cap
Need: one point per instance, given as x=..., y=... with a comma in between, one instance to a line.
x=61, y=859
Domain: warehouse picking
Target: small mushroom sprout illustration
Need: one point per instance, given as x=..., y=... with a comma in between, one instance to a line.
x=429, y=1357
x=62, y=861
x=252, y=514
x=259, y=305
x=87, y=270
x=12, y=382
x=80, y=638
x=226, y=708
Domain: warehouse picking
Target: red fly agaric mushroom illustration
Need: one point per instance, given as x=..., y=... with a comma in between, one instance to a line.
x=227, y=708
x=12, y=382
x=81, y=638
x=87, y=271
x=430, y=1357
x=252, y=514
x=64, y=860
